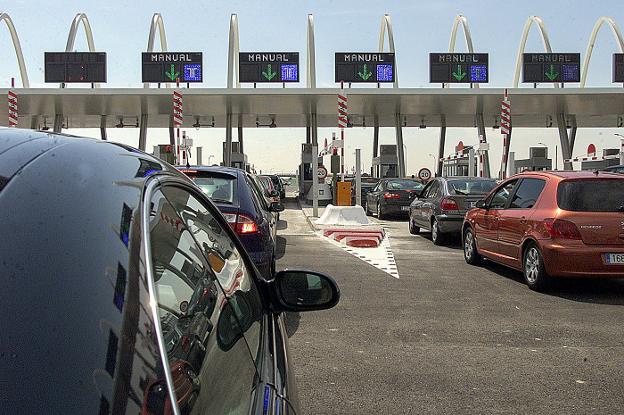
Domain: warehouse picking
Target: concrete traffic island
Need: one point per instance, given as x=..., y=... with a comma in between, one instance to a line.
x=349, y=226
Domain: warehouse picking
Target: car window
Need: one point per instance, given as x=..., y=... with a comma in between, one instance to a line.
x=433, y=190
x=404, y=185
x=500, y=198
x=591, y=195
x=221, y=188
x=527, y=194
x=259, y=193
x=377, y=187
x=203, y=323
x=470, y=187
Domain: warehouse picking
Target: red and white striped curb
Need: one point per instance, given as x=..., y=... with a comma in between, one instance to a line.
x=178, y=113
x=12, y=106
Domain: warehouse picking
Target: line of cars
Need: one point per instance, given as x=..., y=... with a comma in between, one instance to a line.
x=544, y=224
x=141, y=283
x=250, y=203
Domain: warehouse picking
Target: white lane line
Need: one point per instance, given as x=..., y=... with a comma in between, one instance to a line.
x=381, y=257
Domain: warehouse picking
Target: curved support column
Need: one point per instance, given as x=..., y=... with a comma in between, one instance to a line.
x=233, y=51
x=523, y=39
x=459, y=19
x=617, y=35
x=156, y=24
x=311, y=57
x=4, y=17
x=386, y=25
x=73, y=30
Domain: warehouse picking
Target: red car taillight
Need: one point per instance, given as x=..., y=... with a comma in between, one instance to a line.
x=242, y=224
x=391, y=196
x=448, y=204
x=561, y=229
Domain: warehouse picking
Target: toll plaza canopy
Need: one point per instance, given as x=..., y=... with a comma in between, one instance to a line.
x=292, y=107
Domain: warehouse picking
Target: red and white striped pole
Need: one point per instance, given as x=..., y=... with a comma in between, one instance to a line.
x=178, y=117
x=12, y=108
x=343, y=113
x=505, y=130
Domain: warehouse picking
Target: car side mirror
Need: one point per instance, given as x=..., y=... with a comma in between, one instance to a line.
x=302, y=290
x=276, y=207
x=274, y=193
x=481, y=204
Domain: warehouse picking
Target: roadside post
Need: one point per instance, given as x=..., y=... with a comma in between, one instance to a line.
x=12, y=106
x=471, y=162
x=621, y=150
x=315, y=181
x=358, y=178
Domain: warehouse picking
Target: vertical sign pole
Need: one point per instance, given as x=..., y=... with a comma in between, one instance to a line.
x=342, y=137
x=621, y=150
x=358, y=178
x=315, y=181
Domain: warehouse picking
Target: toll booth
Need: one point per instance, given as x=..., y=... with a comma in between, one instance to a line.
x=164, y=152
x=538, y=160
x=307, y=173
x=458, y=164
x=610, y=157
x=239, y=159
x=387, y=164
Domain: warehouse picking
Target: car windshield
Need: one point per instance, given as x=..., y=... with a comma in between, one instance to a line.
x=592, y=195
x=221, y=188
x=404, y=185
x=470, y=187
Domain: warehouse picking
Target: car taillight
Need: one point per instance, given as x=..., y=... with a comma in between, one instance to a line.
x=561, y=229
x=245, y=225
x=391, y=196
x=448, y=204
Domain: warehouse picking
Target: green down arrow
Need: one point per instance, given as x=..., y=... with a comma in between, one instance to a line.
x=459, y=75
x=269, y=74
x=367, y=74
x=552, y=75
x=173, y=75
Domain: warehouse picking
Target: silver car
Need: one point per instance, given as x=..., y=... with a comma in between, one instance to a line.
x=440, y=207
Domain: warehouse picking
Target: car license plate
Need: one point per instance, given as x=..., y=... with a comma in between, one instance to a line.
x=614, y=258
x=404, y=207
x=471, y=204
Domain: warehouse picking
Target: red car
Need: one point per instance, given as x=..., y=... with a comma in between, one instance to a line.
x=551, y=224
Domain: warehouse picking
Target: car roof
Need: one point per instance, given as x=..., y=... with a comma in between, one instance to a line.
x=569, y=174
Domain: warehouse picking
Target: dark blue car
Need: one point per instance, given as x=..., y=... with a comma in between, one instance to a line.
x=240, y=200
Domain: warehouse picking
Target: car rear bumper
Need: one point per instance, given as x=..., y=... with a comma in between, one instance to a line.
x=450, y=223
x=580, y=260
x=393, y=207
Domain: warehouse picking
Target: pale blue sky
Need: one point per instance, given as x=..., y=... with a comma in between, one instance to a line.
x=121, y=29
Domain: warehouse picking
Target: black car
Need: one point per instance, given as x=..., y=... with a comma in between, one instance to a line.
x=441, y=206
x=278, y=185
x=391, y=196
x=125, y=291
x=244, y=206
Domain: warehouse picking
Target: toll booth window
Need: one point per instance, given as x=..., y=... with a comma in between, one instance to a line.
x=202, y=328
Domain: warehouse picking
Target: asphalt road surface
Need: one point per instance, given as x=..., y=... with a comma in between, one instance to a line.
x=449, y=338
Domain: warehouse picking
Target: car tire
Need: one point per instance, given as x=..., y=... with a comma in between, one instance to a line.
x=413, y=229
x=436, y=236
x=471, y=255
x=533, y=269
x=380, y=214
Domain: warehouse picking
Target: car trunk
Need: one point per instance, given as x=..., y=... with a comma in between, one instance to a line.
x=405, y=197
x=465, y=202
x=596, y=207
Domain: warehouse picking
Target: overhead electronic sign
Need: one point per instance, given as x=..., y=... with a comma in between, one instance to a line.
x=80, y=67
x=256, y=67
x=458, y=68
x=551, y=67
x=364, y=67
x=618, y=67
x=158, y=67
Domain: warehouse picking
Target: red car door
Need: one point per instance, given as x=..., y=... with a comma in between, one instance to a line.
x=487, y=220
x=513, y=224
